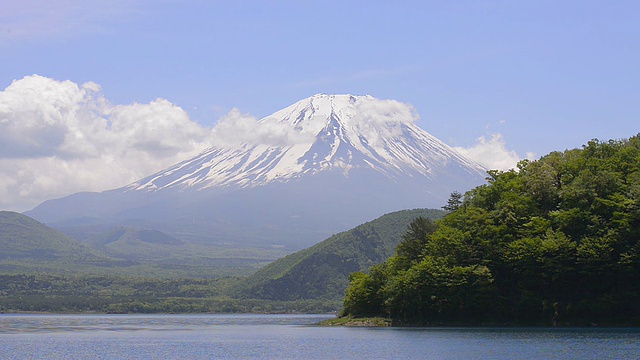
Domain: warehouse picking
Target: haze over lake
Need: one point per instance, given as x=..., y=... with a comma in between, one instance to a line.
x=292, y=337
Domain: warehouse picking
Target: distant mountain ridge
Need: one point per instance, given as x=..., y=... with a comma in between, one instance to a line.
x=28, y=246
x=327, y=164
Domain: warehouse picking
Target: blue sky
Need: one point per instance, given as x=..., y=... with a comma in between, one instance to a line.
x=528, y=76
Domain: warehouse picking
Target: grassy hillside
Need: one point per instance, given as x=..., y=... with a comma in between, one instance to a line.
x=25, y=242
x=322, y=271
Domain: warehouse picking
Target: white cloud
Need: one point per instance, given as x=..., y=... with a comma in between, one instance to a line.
x=371, y=110
x=57, y=138
x=381, y=119
x=236, y=128
x=492, y=154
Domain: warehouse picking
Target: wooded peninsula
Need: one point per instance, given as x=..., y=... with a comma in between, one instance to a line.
x=553, y=242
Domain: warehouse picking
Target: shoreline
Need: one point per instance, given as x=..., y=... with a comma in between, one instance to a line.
x=386, y=322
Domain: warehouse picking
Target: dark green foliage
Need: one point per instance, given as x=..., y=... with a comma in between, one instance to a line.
x=554, y=242
x=454, y=202
x=322, y=271
x=114, y=294
x=413, y=241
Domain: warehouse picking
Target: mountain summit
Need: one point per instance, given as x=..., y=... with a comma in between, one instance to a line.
x=319, y=166
x=322, y=133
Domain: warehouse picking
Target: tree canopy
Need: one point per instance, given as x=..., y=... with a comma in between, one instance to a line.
x=552, y=242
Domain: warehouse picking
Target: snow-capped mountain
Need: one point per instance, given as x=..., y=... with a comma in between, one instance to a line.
x=336, y=132
x=321, y=165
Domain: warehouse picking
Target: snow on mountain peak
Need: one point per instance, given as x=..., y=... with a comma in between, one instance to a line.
x=320, y=133
x=364, y=114
x=319, y=166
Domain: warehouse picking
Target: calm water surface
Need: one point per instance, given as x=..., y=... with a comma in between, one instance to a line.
x=291, y=337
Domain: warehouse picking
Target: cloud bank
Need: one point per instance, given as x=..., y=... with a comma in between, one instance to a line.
x=237, y=129
x=57, y=138
x=381, y=119
x=492, y=153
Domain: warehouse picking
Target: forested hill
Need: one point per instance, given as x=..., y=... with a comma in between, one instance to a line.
x=554, y=242
x=322, y=271
x=24, y=240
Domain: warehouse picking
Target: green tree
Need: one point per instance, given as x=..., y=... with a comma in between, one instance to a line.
x=414, y=240
x=556, y=241
x=454, y=202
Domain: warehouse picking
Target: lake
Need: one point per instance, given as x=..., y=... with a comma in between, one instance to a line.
x=292, y=337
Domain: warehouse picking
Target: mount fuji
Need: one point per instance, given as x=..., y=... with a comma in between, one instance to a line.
x=326, y=164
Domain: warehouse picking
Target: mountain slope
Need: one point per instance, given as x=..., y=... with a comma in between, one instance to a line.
x=136, y=244
x=322, y=271
x=315, y=168
x=325, y=132
x=28, y=246
x=24, y=240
